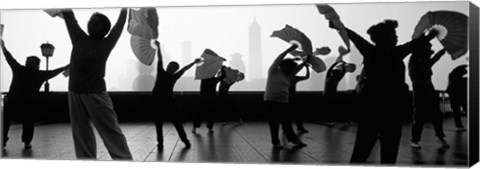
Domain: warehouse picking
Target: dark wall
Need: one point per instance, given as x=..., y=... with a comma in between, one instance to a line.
x=140, y=106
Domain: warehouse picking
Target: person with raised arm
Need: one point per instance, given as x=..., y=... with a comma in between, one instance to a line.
x=163, y=92
x=385, y=96
x=23, y=98
x=426, y=100
x=276, y=98
x=88, y=97
x=293, y=100
x=210, y=102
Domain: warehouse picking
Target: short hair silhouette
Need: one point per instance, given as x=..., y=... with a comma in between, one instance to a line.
x=98, y=19
x=380, y=31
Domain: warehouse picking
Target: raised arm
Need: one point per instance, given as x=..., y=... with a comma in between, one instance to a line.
x=223, y=74
x=436, y=57
x=185, y=68
x=408, y=47
x=362, y=45
x=73, y=28
x=9, y=58
x=280, y=57
x=160, y=68
x=307, y=75
x=117, y=29
x=52, y=73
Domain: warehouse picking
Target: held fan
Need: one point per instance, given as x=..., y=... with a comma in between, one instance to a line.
x=211, y=63
x=452, y=30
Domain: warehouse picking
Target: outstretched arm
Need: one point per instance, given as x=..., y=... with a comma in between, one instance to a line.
x=408, y=47
x=160, y=68
x=185, y=68
x=9, y=58
x=362, y=45
x=117, y=29
x=52, y=73
x=73, y=28
x=280, y=57
x=436, y=57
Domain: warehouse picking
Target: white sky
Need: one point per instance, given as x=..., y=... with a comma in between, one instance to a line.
x=223, y=29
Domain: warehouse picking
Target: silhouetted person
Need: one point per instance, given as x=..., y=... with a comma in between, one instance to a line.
x=163, y=92
x=226, y=102
x=276, y=98
x=334, y=75
x=426, y=101
x=457, y=90
x=23, y=99
x=209, y=101
x=293, y=100
x=88, y=98
x=385, y=96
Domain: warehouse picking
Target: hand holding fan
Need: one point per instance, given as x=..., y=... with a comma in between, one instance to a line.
x=452, y=28
x=294, y=36
x=210, y=65
x=143, y=25
x=334, y=20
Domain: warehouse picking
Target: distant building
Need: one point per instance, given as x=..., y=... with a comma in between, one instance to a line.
x=255, y=52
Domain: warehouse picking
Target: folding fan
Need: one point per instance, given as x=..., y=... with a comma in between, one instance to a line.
x=147, y=17
x=143, y=49
x=232, y=75
x=334, y=19
x=143, y=25
x=54, y=12
x=210, y=65
x=294, y=36
x=317, y=64
x=452, y=30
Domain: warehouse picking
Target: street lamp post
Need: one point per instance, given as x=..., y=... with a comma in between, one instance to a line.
x=47, y=52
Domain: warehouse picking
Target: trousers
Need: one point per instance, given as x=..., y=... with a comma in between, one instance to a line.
x=98, y=109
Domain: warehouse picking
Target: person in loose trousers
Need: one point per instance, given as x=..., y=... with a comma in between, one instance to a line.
x=23, y=99
x=426, y=100
x=276, y=98
x=88, y=99
x=163, y=93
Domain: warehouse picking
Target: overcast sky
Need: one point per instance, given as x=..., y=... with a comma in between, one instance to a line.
x=224, y=29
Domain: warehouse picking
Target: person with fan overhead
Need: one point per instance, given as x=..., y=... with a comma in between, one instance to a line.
x=23, y=99
x=88, y=99
x=293, y=100
x=225, y=100
x=334, y=75
x=163, y=92
x=457, y=89
x=385, y=95
x=426, y=100
x=209, y=101
x=276, y=97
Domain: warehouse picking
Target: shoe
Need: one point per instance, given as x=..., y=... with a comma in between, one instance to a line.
x=443, y=143
x=187, y=144
x=194, y=130
x=299, y=143
x=240, y=121
x=277, y=146
x=415, y=145
x=224, y=123
x=210, y=131
x=302, y=130
x=28, y=146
